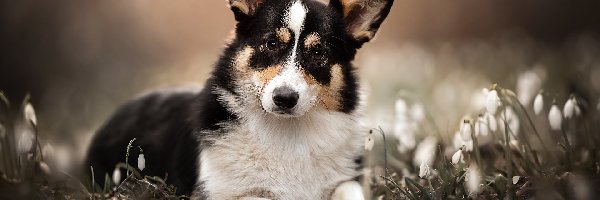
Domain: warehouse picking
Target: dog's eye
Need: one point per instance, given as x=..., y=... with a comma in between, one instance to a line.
x=316, y=52
x=272, y=44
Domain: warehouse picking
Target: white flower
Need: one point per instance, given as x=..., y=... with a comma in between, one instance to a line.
x=369, y=142
x=116, y=176
x=482, y=131
x=401, y=107
x=527, y=84
x=473, y=179
x=538, y=104
x=30, y=114
x=45, y=168
x=459, y=142
x=417, y=112
x=424, y=170
x=26, y=141
x=404, y=128
x=491, y=121
x=425, y=152
x=515, y=179
x=492, y=101
x=465, y=129
x=555, y=118
x=571, y=108
x=406, y=141
x=141, y=162
x=458, y=157
x=349, y=190
x=511, y=119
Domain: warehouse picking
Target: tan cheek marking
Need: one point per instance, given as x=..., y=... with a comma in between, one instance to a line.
x=241, y=61
x=330, y=94
x=312, y=40
x=269, y=73
x=283, y=34
x=308, y=78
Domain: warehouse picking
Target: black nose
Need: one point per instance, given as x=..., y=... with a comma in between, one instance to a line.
x=285, y=97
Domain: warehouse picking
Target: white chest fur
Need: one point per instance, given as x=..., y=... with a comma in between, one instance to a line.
x=293, y=158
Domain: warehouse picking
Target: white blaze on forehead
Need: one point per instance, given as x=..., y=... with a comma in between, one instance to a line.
x=295, y=18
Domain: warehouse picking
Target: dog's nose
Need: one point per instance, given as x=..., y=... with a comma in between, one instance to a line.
x=284, y=97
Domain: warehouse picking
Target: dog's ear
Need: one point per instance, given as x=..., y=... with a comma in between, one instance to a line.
x=244, y=8
x=362, y=17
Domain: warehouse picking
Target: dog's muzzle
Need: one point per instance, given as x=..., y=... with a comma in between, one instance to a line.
x=285, y=98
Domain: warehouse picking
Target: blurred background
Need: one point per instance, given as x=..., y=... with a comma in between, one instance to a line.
x=79, y=60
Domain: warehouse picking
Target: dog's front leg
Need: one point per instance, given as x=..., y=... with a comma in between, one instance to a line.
x=349, y=190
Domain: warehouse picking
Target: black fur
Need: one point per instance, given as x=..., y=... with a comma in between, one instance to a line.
x=170, y=128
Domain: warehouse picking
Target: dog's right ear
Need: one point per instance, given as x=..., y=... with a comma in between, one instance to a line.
x=244, y=8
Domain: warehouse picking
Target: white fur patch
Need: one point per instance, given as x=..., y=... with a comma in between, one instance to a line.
x=294, y=158
x=295, y=16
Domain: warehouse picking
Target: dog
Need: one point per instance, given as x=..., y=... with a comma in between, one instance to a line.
x=277, y=119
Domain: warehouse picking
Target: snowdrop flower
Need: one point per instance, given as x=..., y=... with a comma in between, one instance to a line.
x=116, y=176
x=458, y=157
x=491, y=121
x=473, y=179
x=482, y=131
x=349, y=190
x=571, y=108
x=465, y=129
x=417, y=112
x=406, y=141
x=512, y=120
x=492, y=101
x=538, y=104
x=425, y=152
x=527, y=84
x=424, y=170
x=45, y=168
x=26, y=142
x=401, y=107
x=141, y=161
x=555, y=118
x=30, y=114
x=459, y=142
x=481, y=128
x=515, y=179
x=404, y=129
x=369, y=142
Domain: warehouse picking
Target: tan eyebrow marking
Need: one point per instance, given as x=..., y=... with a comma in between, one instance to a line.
x=269, y=73
x=312, y=40
x=283, y=34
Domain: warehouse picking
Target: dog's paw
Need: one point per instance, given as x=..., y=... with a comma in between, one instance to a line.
x=349, y=190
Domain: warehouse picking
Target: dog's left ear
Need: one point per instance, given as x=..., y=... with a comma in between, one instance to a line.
x=244, y=8
x=362, y=17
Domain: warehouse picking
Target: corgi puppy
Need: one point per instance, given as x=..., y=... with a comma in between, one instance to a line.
x=277, y=119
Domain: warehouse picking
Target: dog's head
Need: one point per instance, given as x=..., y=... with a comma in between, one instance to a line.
x=292, y=56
